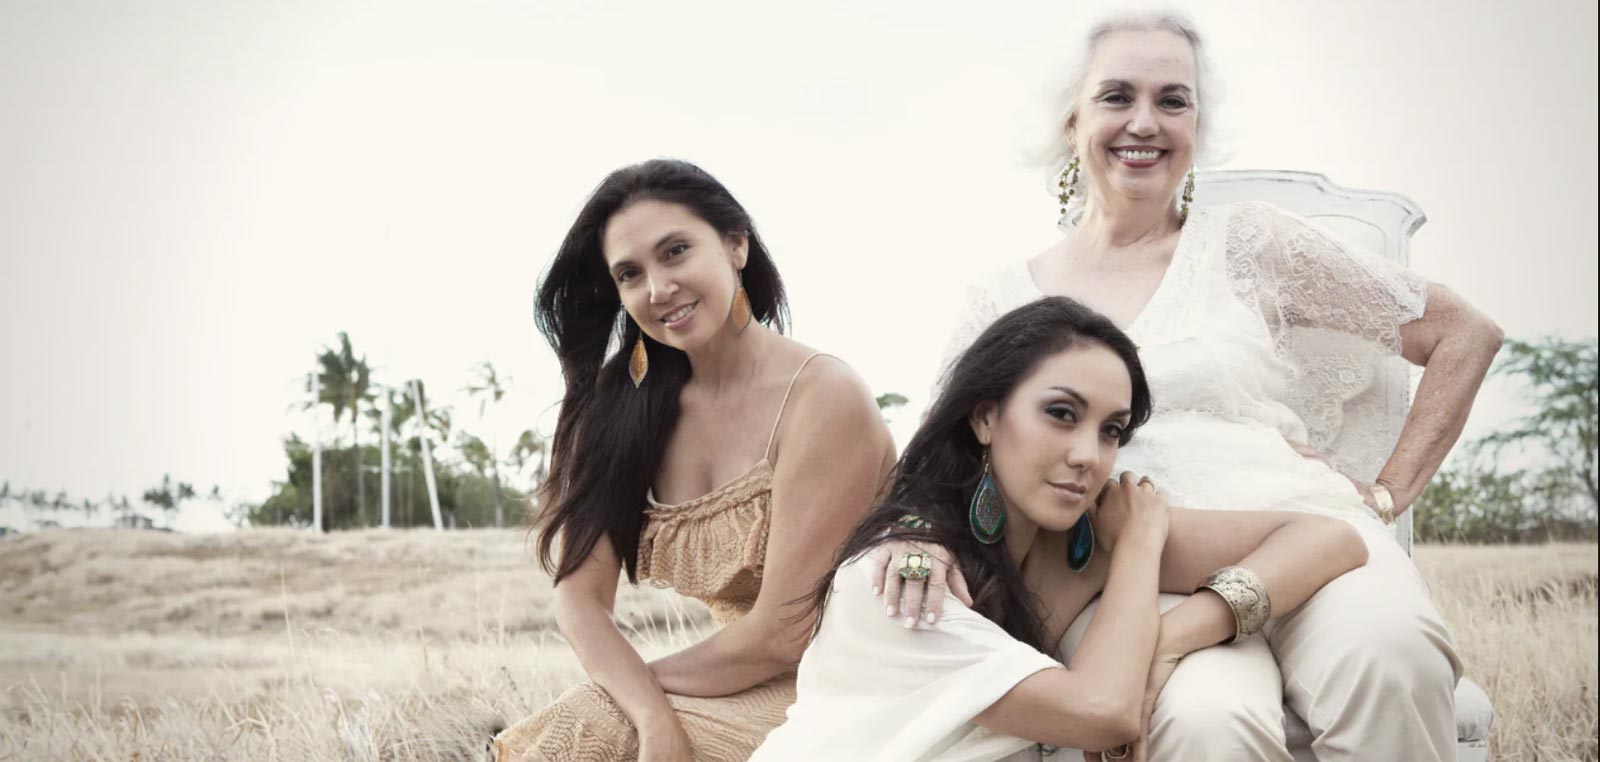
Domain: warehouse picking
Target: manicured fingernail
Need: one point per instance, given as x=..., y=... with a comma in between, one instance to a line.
x=911, y=621
x=931, y=617
x=889, y=609
x=876, y=590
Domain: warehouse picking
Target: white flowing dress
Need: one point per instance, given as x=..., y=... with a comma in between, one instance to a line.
x=1263, y=327
x=870, y=689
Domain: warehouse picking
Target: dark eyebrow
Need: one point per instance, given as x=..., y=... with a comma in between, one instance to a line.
x=1073, y=393
x=660, y=244
x=1122, y=84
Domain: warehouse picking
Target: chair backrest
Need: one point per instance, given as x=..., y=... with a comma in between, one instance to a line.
x=1381, y=222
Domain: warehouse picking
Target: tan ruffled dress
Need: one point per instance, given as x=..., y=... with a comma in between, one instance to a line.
x=710, y=548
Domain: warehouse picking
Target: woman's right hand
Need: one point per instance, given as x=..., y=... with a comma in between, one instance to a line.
x=913, y=601
x=1130, y=508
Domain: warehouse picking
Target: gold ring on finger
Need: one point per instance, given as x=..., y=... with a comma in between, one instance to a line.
x=916, y=566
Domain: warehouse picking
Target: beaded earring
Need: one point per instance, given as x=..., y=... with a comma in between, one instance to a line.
x=1188, y=198
x=987, y=512
x=1068, y=184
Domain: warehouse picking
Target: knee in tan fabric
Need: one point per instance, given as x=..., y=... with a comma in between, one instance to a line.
x=582, y=725
x=1391, y=655
x=1221, y=726
x=1221, y=704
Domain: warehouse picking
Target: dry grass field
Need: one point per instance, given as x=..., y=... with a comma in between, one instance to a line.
x=379, y=645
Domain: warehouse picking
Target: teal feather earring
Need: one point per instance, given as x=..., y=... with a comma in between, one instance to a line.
x=987, y=512
x=1080, y=544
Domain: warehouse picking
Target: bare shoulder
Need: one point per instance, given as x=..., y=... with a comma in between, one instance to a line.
x=831, y=401
x=830, y=387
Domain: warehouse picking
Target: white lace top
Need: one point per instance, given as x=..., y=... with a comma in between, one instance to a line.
x=1263, y=327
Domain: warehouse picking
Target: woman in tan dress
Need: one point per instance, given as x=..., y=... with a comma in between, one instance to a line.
x=709, y=453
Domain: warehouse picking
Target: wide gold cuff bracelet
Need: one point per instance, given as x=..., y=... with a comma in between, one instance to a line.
x=1245, y=594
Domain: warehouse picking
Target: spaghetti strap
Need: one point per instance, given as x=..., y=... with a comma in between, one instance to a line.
x=774, y=436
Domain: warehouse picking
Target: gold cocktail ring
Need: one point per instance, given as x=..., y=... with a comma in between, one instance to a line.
x=916, y=566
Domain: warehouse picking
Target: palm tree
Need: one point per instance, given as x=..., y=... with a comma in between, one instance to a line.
x=476, y=454
x=376, y=416
x=346, y=382
x=437, y=420
x=169, y=496
x=529, y=444
x=402, y=407
x=487, y=389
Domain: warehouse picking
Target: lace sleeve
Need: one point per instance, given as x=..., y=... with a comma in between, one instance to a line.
x=1334, y=312
x=1300, y=275
x=979, y=308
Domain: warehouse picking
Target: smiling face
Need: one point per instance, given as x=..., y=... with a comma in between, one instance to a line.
x=676, y=275
x=1054, y=440
x=1136, y=119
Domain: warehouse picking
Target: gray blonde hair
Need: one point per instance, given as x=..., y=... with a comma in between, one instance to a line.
x=1059, y=151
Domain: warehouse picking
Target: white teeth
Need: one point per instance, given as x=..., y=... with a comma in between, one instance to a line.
x=678, y=314
x=1138, y=155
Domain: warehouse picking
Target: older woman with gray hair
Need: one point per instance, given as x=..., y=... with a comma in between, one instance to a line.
x=1213, y=297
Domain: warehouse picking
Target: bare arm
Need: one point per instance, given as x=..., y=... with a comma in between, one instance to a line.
x=1095, y=702
x=836, y=451
x=1294, y=555
x=584, y=602
x=1455, y=345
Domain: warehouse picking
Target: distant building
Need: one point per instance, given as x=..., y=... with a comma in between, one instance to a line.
x=133, y=521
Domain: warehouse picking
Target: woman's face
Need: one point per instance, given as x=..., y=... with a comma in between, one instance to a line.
x=1053, y=442
x=675, y=274
x=1134, y=130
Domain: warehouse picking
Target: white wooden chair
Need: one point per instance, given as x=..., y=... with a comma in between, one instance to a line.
x=1384, y=223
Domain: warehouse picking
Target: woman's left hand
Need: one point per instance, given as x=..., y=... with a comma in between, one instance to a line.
x=1311, y=453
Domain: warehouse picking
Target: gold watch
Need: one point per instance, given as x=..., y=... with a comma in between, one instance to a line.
x=1385, y=501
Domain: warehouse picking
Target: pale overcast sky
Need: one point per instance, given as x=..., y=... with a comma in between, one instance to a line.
x=196, y=196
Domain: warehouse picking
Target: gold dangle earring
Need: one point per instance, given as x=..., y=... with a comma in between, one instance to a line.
x=638, y=362
x=1188, y=198
x=739, y=313
x=1068, y=184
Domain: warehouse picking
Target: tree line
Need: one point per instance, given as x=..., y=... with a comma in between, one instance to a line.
x=1531, y=480
x=474, y=480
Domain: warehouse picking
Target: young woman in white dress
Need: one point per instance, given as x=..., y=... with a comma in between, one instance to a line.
x=1010, y=472
x=1254, y=326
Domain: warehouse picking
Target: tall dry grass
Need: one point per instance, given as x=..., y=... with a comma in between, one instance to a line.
x=1524, y=619
x=378, y=645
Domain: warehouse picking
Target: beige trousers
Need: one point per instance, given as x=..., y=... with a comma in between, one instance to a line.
x=1367, y=662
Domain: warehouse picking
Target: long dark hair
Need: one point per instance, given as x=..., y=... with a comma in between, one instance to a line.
x=941, y=466
x=609, y=435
